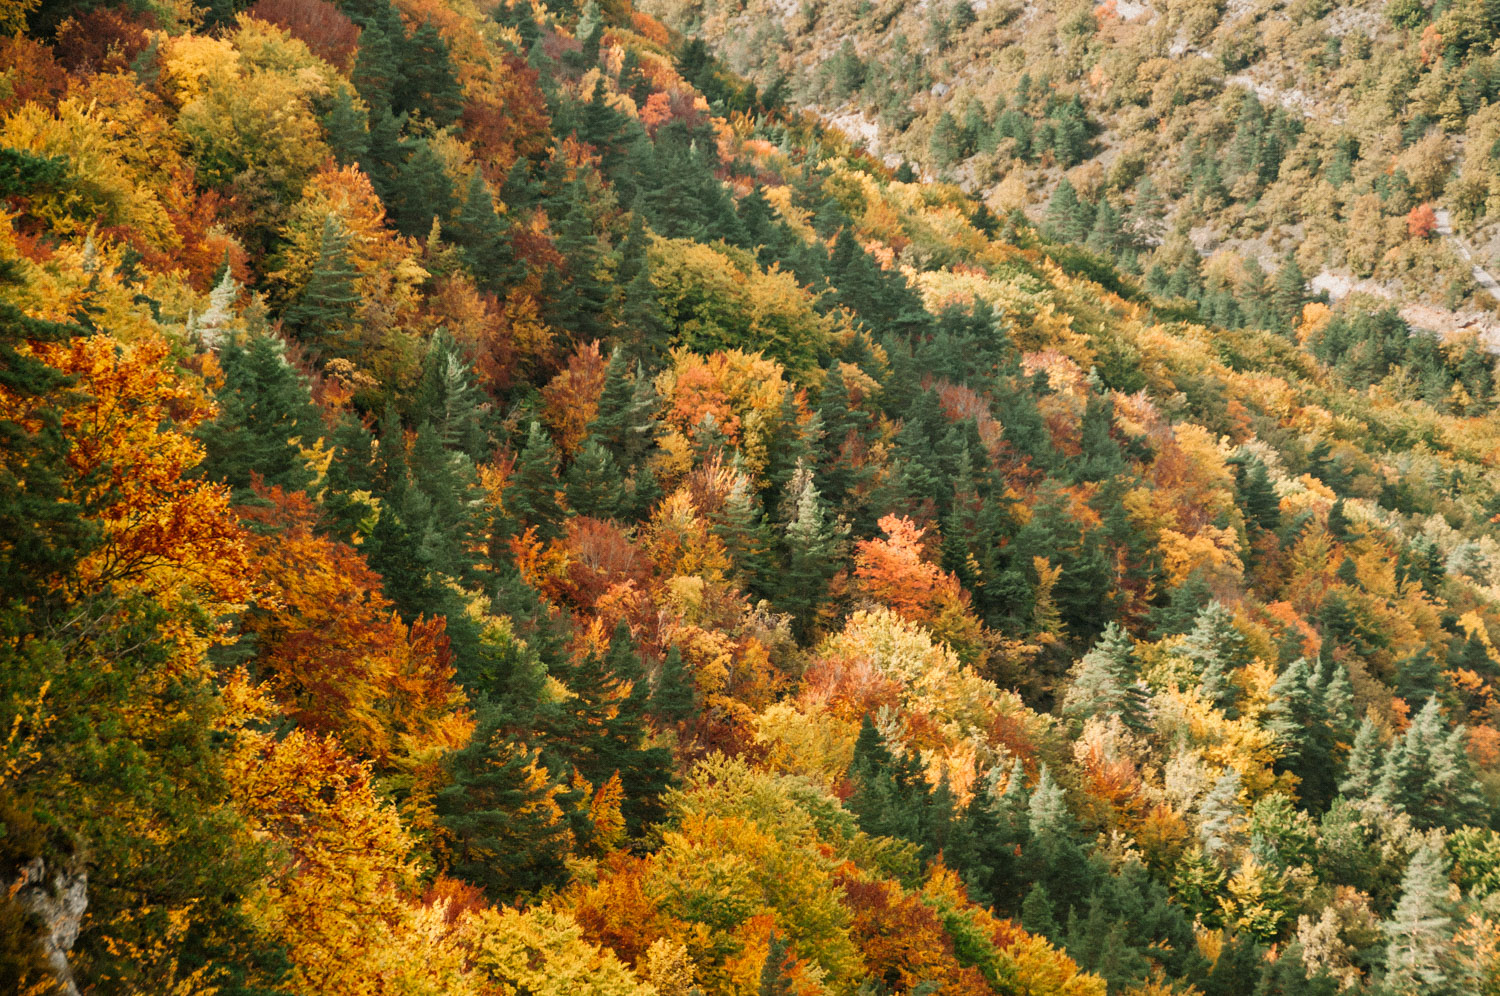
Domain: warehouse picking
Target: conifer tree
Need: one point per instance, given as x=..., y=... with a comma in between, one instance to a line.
x=742, y=528
x=503, y=827
x=1101, y=458
x=266, y=419
x=601, y=730
x=1069, y=218
x=323, y=314
x=1257, y=496
x=1419, y=954
x=626, y=414
x=423, y=191
x=673, y=696
x=593, y=483
x=1217, y=650
x=890, y=793
x=1221, y=818
x=1104, y=682
x=429, y=79
x=44, y=527
x=1288, y=292
x=347, y=128
x=449, y=398
x=531, y=497
x=809, y=544
x=483, y=236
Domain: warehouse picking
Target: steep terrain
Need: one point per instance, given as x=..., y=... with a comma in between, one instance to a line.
x=494, y=502
x=1246, y=133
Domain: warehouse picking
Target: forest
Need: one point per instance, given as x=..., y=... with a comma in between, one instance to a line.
x=496, y=502
x=1208, y=145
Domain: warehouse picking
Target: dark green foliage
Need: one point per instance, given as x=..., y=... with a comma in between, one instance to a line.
x=593, y=483
x=531, y=498
x=673, y=696
x=429, y=80
x=324, y=311
x=347, y=128
x=43, y=531
x=502, y=835
x=266, y=418
x=602, y=730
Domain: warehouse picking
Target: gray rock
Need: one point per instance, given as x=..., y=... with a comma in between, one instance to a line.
x=59, y=900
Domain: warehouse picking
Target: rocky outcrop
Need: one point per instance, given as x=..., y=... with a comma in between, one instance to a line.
x=58, y=899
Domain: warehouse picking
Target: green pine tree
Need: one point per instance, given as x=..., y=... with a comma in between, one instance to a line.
x=266, y=418
x=323, y=314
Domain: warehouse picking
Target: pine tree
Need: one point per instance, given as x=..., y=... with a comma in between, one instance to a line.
x=742, y=528
x=601, y=730
x=1101, y=458
x=531, y=497
x=377, y=71
x=809, y=550
x=1217, y=650
x=347, y=128
x=577, y=295
x=889, y=794
x=1257, y=496
x=773, y=978
x=1221, y=818
x=483, y=236
x=1297, y=716
x=449, y=398
x=1419, y=954
x=423, y=191
x=1288, y=293
x=626, y=421
x=1362, y=770
x=323, y=314
x=1068, y=218
x=429, y=79
x=1429, y=775
x=593, y=482
x=44, y=529
x=502, y=824
x=673, y=697
x=266, y=418
x=1104, y=682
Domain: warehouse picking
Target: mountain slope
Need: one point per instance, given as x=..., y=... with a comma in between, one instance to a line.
x=495, y=502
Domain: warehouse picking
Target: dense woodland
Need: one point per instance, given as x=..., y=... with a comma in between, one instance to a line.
x=1206, y=144
x=494, y=503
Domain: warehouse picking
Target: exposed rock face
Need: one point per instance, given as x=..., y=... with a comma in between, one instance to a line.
x=58, y=900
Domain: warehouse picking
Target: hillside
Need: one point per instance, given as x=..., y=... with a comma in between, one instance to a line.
x=1248, y=133
x=494, y=502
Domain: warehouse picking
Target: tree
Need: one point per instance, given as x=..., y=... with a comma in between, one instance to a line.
x=593, y=484
x=1419, y=955
x=532, y=495
x=1104, y=682
x=347, y=128
x=483, y=236
x=44, y=529
x=601, y=730
x=429, y=78
x=422, y=191
x=448, y=399
x=1217, y=651
x=503, y=825
x=1068, y=218
x=809, y=544
x=1221, y=818
x=323, y=313
x=673, y=696
x=266, y=420
x=1288, y=293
